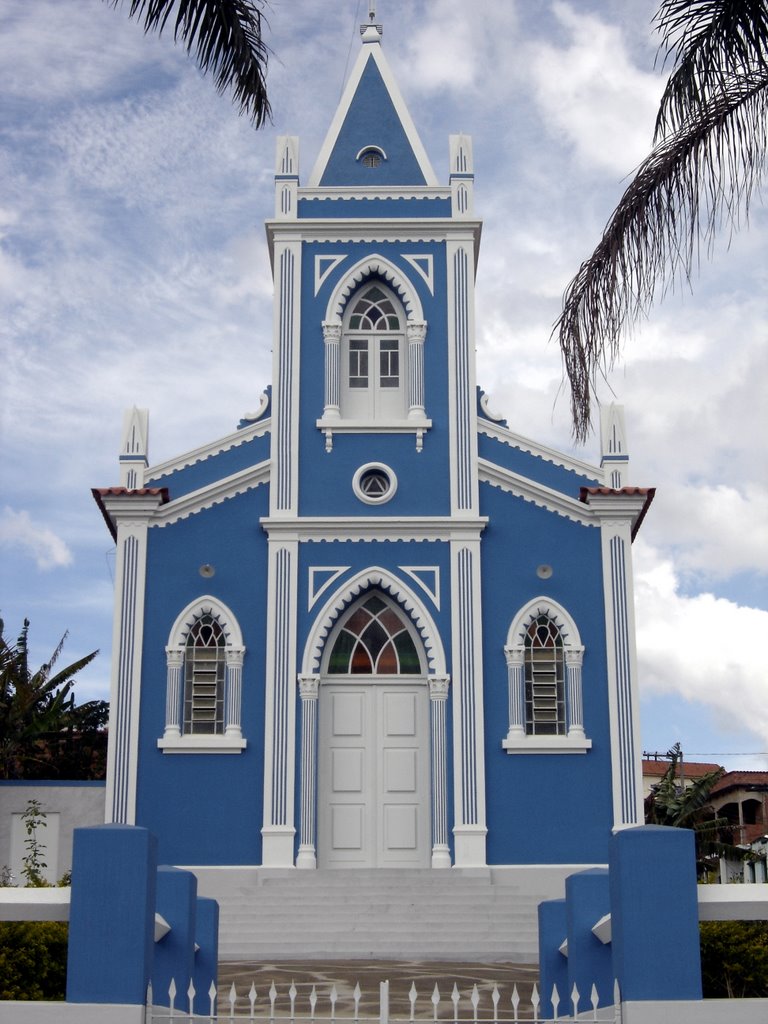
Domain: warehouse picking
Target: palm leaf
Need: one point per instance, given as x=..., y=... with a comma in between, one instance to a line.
x=710, y=43
x=691, y=185
x=226, y=36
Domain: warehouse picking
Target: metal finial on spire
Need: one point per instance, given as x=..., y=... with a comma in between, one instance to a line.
x=371, y=32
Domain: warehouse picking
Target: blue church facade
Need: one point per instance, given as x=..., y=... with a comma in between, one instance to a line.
x=373, y=626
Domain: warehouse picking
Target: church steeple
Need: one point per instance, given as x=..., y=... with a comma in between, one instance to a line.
x=372, y=141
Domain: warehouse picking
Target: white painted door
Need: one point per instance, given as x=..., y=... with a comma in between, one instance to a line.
x=373, y=783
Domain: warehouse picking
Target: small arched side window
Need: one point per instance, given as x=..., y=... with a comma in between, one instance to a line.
x=544, y=660
x=204, y=660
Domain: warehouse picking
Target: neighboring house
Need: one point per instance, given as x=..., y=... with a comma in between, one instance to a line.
x=742, y=798
x=655, y=767
x=373, y=626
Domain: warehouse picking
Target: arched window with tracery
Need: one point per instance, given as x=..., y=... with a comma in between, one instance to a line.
x=544, y=662
x=374, y=639
x=373, y=356
x=204, y=660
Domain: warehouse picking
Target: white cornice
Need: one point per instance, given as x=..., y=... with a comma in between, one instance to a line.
x=373, y=229
x=213, y=494
x=377, y=528
x=382, y=192
x=216, y=447
x=525, y=444
x=538, y=494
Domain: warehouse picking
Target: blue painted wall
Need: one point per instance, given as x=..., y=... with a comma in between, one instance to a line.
x=567, y=796
x=205, y=808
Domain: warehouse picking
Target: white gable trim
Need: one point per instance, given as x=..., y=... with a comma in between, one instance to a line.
x=528, y=490
x=508, y=437
x=373, y=52
x=222, y=444
x=213, y=494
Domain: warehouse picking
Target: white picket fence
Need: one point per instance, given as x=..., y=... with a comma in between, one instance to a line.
x=306, y=1005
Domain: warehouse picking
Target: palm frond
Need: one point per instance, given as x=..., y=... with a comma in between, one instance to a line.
x=226, y=36
x=690, y=186
x=709, y=43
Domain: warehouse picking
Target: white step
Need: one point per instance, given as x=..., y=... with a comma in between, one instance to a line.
x=372, y=914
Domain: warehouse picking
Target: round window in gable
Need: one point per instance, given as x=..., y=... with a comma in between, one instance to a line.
x=374, y=483
x=371, y=156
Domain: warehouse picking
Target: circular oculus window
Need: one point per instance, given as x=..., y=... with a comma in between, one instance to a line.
x=374, y=483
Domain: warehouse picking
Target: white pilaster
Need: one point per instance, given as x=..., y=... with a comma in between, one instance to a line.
x=516, y=687
x=438, y=699
x=309, y=688
x=332, y=339
x=416, y=332
x=283, y=492
x=468, y=734
x=174, y=659
x=462, y=178
x=574, y=657
x=280, y=706
x=618, y=512
x=131, y=513
x=233, y=692
x=461, y=375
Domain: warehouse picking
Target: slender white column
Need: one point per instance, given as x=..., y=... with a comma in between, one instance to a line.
x=233, y=692
x=309, y=688
x=174, y=657
x=438, y=699
x=416, y=331
x=516, y=684
x=332, y=339
x=574, y=657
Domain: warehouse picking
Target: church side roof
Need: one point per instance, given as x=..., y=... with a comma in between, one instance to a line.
x=372, y=113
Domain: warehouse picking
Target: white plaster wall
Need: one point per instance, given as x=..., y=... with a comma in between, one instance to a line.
x=78, y=1013
x=68, y=806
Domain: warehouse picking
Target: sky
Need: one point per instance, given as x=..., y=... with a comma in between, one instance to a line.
x=134, y=271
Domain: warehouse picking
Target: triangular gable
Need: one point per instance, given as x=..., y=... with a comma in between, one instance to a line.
x=372, y=113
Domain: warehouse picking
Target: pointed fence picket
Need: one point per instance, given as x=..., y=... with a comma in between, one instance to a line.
x=321, y=1006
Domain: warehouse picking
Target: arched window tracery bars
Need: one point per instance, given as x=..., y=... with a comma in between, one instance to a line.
x=374, y=639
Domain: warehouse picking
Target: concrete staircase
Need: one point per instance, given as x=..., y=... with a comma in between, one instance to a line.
x=380, y=914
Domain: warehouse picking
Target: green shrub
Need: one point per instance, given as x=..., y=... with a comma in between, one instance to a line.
x=734, y=959
x=33, y=959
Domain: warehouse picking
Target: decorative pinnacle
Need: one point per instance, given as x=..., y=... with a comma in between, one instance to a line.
x=371, y=32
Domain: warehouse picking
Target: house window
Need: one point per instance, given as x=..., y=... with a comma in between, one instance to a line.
x=204, y=660
x=544, y=679
x=204, y=675
x=374, y=640
x=373, y=353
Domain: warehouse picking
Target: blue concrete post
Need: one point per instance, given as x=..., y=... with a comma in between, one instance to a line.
x=207, y=956
x=589, y=960
x=553, y=966
x=654, y=913
x=112, y=912
x=175, y=952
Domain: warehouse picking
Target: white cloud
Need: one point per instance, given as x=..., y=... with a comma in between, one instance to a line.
x=19, y=530
x=700, y=647
x=592, y=94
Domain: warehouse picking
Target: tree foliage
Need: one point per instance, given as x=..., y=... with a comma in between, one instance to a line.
x=734, y=959
x=43, y=733
x=708, y=160
x=674, y=803
x=226, y=37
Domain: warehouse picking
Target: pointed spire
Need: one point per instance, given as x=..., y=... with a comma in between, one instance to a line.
x=134, y=447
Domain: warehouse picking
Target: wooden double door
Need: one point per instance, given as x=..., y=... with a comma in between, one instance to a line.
x=373, y=779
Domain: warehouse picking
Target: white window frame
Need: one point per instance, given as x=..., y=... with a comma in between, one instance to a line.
x=518, y=739
x=230, y=740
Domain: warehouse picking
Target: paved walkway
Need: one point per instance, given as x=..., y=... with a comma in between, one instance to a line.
x=345, y=974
